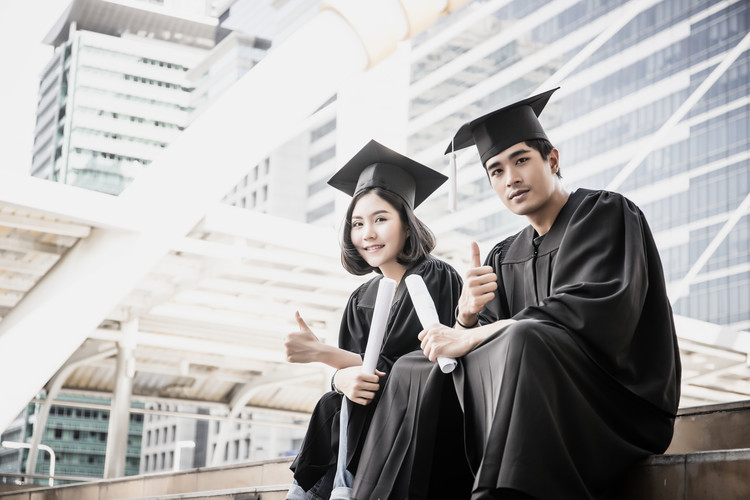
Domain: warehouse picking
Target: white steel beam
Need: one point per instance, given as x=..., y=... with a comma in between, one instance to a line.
x=168, y=199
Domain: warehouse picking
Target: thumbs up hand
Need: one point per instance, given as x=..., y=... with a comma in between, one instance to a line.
x=301, y=346
x=479, y=288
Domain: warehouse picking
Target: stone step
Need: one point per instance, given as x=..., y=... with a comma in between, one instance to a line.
x=702, y=475
x=712, y=427
x=266, y=478
x=274, y=492
x=709, y=457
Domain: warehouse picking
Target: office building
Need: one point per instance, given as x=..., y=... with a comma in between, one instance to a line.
x=77, y=435
x=653, y=103
x=116, y=91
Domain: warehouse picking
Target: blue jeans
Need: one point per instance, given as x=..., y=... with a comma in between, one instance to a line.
x=337, y=482
x=320, y=490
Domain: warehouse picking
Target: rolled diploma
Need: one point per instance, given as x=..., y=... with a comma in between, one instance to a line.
x=426, y=313
x=383, y=300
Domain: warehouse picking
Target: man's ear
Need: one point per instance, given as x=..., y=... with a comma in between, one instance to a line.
x=554, y=160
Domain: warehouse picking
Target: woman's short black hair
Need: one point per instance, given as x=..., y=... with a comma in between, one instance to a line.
x=544, y=147
x=420, y=241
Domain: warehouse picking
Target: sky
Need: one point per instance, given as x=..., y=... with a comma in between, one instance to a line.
x=23, y=25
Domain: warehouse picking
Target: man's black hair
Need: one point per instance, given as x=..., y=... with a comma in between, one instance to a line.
x=544, y=147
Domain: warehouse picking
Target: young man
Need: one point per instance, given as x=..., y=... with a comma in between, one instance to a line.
x=569, y=366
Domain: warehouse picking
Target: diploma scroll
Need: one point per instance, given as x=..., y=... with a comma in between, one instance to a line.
x=383, y=301
x=426, y=313
x=344, y=480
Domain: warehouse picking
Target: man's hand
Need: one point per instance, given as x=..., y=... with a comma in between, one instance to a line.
x=440, y=340
x=359, y=387
x=479, y=288
x=302, y=346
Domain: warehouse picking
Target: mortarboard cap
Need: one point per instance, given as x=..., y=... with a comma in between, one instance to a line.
x=377, y=166
x=504, y=127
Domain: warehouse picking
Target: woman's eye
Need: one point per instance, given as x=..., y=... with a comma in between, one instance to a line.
x=356, y=224
x=380, y=219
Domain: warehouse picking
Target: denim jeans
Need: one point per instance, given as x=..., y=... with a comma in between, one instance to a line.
x=337, y=482
x=320, y=490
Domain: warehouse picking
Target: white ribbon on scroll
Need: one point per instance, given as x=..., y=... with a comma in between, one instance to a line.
x=426, y=313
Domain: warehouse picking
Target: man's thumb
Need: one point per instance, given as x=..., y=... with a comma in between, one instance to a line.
x=475, y=261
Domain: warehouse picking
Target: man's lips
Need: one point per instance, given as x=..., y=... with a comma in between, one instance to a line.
x=517, y=193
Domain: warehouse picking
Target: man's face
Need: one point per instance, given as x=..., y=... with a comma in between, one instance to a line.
x=522, y=179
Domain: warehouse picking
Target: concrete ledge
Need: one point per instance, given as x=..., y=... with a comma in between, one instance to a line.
x=255, y=476
x=712, y=427
x=262, y=491
x=690, y=476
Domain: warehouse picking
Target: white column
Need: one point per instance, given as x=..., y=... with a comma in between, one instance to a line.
x=119, y=416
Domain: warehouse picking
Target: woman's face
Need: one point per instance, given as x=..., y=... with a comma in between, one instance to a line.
x=377, y=231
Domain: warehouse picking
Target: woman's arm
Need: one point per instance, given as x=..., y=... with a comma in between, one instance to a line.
x=304, y=347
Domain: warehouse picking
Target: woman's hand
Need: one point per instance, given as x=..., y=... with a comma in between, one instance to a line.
x=359, y=387
x=302, y=346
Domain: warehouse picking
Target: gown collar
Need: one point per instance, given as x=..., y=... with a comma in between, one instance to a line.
x=523, y=245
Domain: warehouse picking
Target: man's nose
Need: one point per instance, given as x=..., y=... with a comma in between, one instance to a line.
x=513, y=176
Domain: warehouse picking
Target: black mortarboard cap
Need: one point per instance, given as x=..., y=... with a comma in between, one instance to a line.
x=378, y=166
x=504, y=127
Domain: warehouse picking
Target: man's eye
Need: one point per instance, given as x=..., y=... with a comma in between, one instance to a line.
x=522, y=160
x=497, y=171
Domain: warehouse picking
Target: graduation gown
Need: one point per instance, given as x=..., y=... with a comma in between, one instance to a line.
x=560, y=403
x=318, y=452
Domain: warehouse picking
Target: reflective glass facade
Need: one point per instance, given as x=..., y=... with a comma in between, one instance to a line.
x=664, y=95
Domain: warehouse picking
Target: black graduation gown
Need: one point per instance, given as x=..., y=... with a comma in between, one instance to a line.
x=320, y=446
x=562, y=402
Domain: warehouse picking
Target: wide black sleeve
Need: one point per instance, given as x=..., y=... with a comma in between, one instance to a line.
x=444, y=285
x=355, y=322
x=497, y=308
x=607, y=289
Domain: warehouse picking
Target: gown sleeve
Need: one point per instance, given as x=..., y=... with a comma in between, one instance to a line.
x=607, y=289
x=497, y=308
x=355, y=321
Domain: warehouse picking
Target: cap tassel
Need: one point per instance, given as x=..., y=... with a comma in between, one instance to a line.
x=452, y=184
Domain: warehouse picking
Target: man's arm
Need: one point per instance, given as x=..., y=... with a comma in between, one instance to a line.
x=479, y=288
x=440, y=340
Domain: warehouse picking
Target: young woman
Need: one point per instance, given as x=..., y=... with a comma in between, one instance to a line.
x=381, y=234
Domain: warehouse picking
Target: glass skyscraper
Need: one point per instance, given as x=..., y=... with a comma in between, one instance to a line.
x=653, y=103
